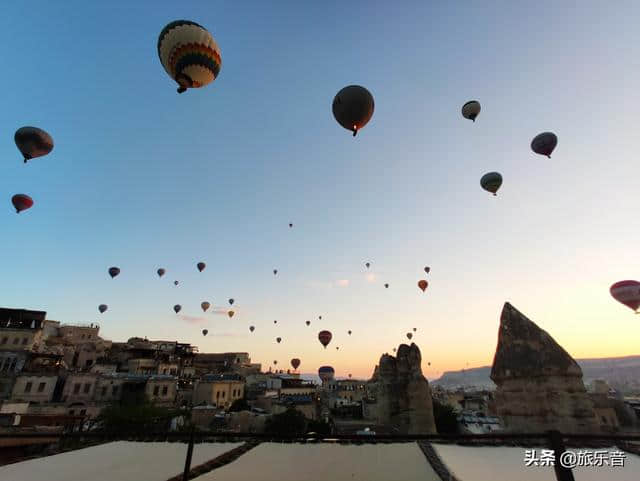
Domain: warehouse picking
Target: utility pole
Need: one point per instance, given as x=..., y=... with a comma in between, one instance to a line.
x=187, y=462
x=562, y=473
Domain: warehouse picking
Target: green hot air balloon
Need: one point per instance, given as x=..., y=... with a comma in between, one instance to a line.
x=491, y=182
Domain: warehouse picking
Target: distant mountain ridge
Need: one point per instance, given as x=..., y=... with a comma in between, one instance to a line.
x=622, y=373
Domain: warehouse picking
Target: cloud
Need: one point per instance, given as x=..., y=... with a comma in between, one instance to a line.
x=342, y=283
x=193, y=319
x=224, y=311
x=371, y=277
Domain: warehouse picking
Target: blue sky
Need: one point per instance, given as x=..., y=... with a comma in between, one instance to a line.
x=141, y=177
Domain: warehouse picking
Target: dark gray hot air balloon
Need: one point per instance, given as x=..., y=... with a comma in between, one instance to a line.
x=386, y=286
x=205, y=305
x=175, y=283
x=308, y=323
x=409, y=335
x=251, y=328
x=353, y=107
x=471, y=109
x=491, y=182
x=205, y=332
x=231, y=301
x=544, y=143
x=278, y=339
x=275, y=271
x=161, y=272
x=177, y=308
x=33, y=142
x=102, y=308
x=114, y=271
x=201, y=266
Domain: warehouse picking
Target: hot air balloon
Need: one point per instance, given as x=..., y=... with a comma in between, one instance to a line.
x=205, y=305
x=295, y=362
x=428, y=364
x=230, y=314
x=409, y=335
x=21, y=202
x=320, y=317
x=201, y=266
x=544, y=143
x=275, y=271
x=325, y=338
x=275, y=322
x=367, y=264
x=175, y=283
x=205, y=332
x=102, y=308
x=290, y=225
x=386, y=286
x=491, y=182
x=628, y=293
x=251, y=328
x=326, y=373
x=337, y=348
x=414, y=329
x=353, y=107
x=308, y=323
x=189, y=54
x=349, y=332
x=161, y=272
x=231, y=302
x=275, y=362
x=33, y=142
x=422, y=284
x=427, y=269
x=394, y=349
x=471, y=109
x=278, y=339
x=113, y=271
x=177, y=308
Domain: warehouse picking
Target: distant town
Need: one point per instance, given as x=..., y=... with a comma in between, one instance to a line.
x=60, y=378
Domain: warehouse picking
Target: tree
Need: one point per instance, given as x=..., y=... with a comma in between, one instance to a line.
x=445, y=418
x=288, y=423
x=239, y=405
x=135, y=418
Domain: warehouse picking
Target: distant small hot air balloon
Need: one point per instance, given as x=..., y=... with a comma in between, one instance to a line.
x=337, y=348
x=205, y=332
x=320, y=317
x=367, y=264
x=349, y=375
x=290, y=225
x=275, y=322
x=33, y=142
x=409, y=335
x=295, y=362
x=628, y=293
x=353, y=107
x=471, y=109
x=275, y=362
x=161, y=272
x=205, y=305
x=231, y=301
x=427, y=269
x=349, y=332
x=201, y=266
x=102, y=308
x=544, y=143
x=394, y=349
x=175, y=283
x=251, y=328
x=491, y=182
x=278, y=339
x=308, y=323
x=428, y=364
x=177, y=308
x=113, y=271
x=422, y=284
x=275, y=271
x=21, y=202
x=386, y=286
x=326, y=373
x=230, y=314
x=325, y=338
x=414, y=329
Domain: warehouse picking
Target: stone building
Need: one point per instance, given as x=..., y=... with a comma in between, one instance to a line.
x=34, y=388
x=218, y=390
x=161, y=390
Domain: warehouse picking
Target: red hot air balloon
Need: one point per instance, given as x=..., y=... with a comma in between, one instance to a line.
x=33, y=142
x=422, y=284
x=325, y=338
x=102, y=308
x=628, y=293
x=161, y=272
x=201, y=266
x=21, y=202
x=114, y=271
x=295, y=362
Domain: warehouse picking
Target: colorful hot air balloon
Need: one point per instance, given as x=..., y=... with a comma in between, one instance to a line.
x=422, y=284
x=177, y=308
x=491, y=182
x=251, y=328
x=628, y=293
x=349, y=332
x=175, y=283
x=325, y=338
x=295, y=362
x=409, y=335
x=114, y=271
x=205, y=332
x=231, y=301
x=189, y=54
x=326, y=373
x=205, y=305
x=353, y=107
x=471, y=109
x=33, y=142
x=161, y=272
x=201, y=266
x=275, y=271
x=230, y=314
x=278, y=339
x=102, y=308
x=21, y=202
x=544, y=143
x=427, y=269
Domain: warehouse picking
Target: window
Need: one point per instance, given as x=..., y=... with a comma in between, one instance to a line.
x=104, y=391
x=27, y=387
x=72, y=412
x=604, y=420
x=5, y=339
x=41, y=386
x=25, y=340
x=165, y=390
x=156, y=390
x=15, y=340
x=223, y=393
x=88, y=362
x=76, y=388
x=218, y=395
x=87, y=388
x=164, y=371
x=83, y=336
x=83, y=412
x=114, y=391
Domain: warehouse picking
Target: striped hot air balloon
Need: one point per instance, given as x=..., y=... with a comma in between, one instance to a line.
x=627, y=292
x=189, y=54
x=326, y=373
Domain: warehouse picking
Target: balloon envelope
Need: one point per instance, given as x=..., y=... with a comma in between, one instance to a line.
x=471, y=109
x=275, y=271
x=21, y=202
x=326, y=373
x=278, y=339
x=349, y=332
x=114, y=271
x=367, y=265
x=231, y=301
x=627, y=292
x=427, y=269
x=177, y=308
x=205, y=305
x=102, y=308
x=353, y=107
x=189, y=54
x=161, y=272
x=205, y=332
x=175, y=283
x=230, y=314
x=325, y=338
x=491, y=182
x=409, y=335
x=422, y=284
x=201, y=266
x=251, y=328
x=386, y=286
x=33, y=142
x=295, y=362
x=308, y=323
x=544, y=143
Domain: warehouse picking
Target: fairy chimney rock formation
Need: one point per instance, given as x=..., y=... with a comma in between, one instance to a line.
x=539, y=385
x=403, y=394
